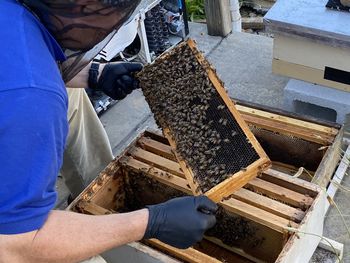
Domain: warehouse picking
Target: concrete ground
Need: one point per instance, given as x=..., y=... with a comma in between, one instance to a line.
x=243, y=61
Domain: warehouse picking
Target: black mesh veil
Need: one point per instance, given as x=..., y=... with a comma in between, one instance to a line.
x=82, y=27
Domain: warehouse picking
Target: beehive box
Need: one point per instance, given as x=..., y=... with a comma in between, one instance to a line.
x=291, y=143
x=294, y=145
x=215, y=148
x=308, y=48
x=251, y=224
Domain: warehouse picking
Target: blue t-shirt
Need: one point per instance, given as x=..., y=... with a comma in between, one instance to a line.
x=33, y=119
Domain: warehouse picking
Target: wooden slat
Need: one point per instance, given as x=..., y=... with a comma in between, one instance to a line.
x=329, y=162
x=236, y=181
x=288, y=120
x=292, y=170
x=188, y=255
x=257, y=215
x=323, y=139
x=156, y=161
x=269, y=205
x=158, y=174
x=280, y=193
x=286, y=114
x=156, y=135
x=294, y=184
x=93, y=209
x=157, y=148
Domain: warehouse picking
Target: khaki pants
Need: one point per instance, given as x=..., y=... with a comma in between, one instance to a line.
x=87, y=148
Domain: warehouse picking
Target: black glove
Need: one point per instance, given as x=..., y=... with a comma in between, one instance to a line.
x=117, y=79
x=181, y=222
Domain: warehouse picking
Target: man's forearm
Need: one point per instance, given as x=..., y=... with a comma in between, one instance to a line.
x=81, y=79
x=71, y=237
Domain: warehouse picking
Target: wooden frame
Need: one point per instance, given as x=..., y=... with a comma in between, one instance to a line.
x=302, y=129
x=329, y=138
x=285, y=202
x=238, y=179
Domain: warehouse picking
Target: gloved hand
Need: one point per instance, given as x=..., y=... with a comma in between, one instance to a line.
x=117, y=79
x=181, y=222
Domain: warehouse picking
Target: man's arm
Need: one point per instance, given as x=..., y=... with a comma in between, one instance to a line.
x=81, y=79
x=115, y=79
x=71, y=237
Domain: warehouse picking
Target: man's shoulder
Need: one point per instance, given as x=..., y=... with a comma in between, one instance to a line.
x=29, y=53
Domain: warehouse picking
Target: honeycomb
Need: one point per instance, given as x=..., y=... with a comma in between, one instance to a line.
x=182, y=98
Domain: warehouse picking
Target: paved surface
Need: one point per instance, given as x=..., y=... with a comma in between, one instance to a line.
x=334, y=226
x=244, y=63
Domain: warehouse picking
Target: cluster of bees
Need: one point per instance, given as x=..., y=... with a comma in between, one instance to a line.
x=183, y=99
x=140, y=190
x=234, y=230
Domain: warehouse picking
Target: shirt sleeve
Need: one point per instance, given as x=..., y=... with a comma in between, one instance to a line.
x=33, y=129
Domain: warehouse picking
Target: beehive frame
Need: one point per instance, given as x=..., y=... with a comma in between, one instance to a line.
x=239, y=178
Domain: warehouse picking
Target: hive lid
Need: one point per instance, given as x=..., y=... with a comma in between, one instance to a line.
x=214, y=146
x=309, y=19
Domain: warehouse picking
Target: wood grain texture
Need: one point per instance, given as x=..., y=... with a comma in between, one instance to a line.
x=237, y=180
x=188, y=255
x=257, y=215
x=218, y=17
x=280, y=193
x=157, y=147
x=311, y=230
x=290, y=126
x=156, y=160
x=329, y=162
x=294, y=184
x=269, y=205
x=161, y=175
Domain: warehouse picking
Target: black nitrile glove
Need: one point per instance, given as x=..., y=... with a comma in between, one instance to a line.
x=117, y=79
x=181, y=222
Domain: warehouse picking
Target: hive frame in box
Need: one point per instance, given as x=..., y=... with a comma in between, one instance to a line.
x=95, y=199
x=328, y=135
x=238, y=179
x=335, y=162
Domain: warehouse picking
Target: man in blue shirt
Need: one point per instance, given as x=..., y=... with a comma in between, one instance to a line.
x=33, y=131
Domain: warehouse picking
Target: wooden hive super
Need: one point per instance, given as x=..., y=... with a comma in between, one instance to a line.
x=215, y=148
x=253, y=223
